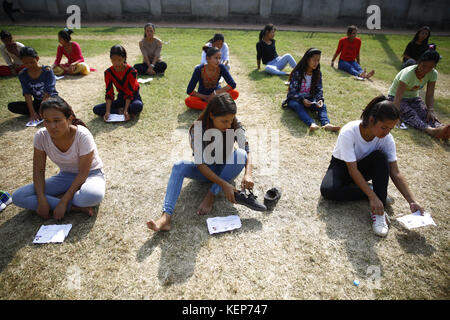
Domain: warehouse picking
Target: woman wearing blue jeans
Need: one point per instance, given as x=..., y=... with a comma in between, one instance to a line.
x=265, y=51
x=220, y=167
x=305, y=91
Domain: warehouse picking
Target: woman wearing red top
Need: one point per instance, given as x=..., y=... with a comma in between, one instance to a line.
x=72, y=51
x=124, y=77
x=349, y=48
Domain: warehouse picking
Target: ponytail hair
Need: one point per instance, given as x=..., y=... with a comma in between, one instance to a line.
x=211, y=51
x=217, y=37
x=380, y=109
x=267, y=27
x=27, y=52
x=61, y=105
x=65, y=34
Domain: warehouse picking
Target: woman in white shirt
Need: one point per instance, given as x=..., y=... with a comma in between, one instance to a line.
x=217, y=41
x=365, y=150
x=10, y=52
x=80, y=184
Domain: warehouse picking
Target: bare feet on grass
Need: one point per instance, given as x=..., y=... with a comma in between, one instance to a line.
x=439, y=132
x=89, y=210
x=161, y=224
x=330, y=127
x=371, y=73
x=207, y=204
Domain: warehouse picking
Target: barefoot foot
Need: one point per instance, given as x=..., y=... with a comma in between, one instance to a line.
x=313, y=127
x=88, y=210
x=330, y=127
x=162, y=224
x=371, y=73
x=207, y=204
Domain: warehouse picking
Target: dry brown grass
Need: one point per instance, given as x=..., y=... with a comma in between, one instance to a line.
x=307, y=248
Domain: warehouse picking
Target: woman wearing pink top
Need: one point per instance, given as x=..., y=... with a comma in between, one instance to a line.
x=71, y=50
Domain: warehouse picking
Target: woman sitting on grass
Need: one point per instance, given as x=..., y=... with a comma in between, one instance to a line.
x=416, y=47
x=305, y=91
x=10, y=52
x=124, y=77
x=265, y=51
x=38, y=83
x=217, y=41
x=151, y=52
x=219, y=115
x=349, y=48
x=207, y=76
x=80, y=184
x=365, y=150
x=404, y=92
x=72, y=51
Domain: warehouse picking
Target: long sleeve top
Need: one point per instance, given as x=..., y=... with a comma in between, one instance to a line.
x=74, y=56
x=125, y=82
x=294, y=92
x=202, y=87
x=265, y=51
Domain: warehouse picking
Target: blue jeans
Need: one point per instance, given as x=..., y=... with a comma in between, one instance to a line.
x=183, y=169
x=90, y=194
x=350, y=67
x=276, y=65
x=303, y=114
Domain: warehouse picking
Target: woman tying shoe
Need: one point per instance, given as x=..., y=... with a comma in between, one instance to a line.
x=72, y=51
x=305, y=91
x=80, y=184
x=207, y=76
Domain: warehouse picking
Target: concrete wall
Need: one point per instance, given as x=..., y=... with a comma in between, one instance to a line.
x=394, y=13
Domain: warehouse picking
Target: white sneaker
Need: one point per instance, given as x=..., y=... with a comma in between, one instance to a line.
x=380, y=224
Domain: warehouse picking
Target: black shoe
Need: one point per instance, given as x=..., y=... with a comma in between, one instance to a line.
x=271, y=198
x=249, y=200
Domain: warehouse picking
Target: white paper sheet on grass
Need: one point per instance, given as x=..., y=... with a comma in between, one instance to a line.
x=34, y=123
x=113, y=117
x=140, y=80
x=223, y=224
x=416, y=220
x=53, y=233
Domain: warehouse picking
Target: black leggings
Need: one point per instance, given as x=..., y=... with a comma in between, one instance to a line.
x=21, y=107
x=338, y=185
x=141, y=68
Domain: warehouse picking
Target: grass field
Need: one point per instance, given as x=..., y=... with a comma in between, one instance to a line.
x=307, y=248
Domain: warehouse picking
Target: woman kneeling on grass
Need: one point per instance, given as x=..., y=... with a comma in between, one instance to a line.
x=208, y=76
x=124, y=77
x=69, y=144
x=225, y=164
x=305, y=91
x=404, y=92
x=365, y=150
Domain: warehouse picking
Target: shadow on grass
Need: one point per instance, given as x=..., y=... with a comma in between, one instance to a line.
x=180, y=246
x=384, y=41
x=20, y=230
x=258, y=75
x=290, y=120
x=352, y=223
x=15, y=124
x=186, y=119
x=98, y=125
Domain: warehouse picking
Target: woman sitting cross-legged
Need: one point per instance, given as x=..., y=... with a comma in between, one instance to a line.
x=80, y=184
x=207, y=76
x=151, y=53
x=218, y=165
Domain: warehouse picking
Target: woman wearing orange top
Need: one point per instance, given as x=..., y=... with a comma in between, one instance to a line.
x=208, y=75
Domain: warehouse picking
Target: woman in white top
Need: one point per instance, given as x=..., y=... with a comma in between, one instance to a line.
x=365, y=150
x=10, y=52
x=80, y=184
x=217, y=41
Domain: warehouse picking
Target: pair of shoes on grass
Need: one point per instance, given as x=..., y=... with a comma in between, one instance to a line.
x=5, y=199
x=270, y=199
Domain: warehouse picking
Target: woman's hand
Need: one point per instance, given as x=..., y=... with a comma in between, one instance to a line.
x=127, y=115
x=106, y=116
x=211, y=96
x=416, y=207
x=307, y=103
x=376, y=206
x=34, y=116
x=319, y=103
x=60, y=210
x=150, y=70
x=229, y=190
x=247, y=182
x=43, y=209
x=431, y=116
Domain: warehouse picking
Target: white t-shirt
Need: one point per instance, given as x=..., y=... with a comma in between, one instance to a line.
x=11, y=59
x=68, y=161
x=223, y=50
x=351, y=146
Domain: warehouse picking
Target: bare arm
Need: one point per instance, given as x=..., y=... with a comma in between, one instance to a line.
x=227, y=188
x=399, y=94
x=429, y=101
x=402, y=186
x=39, y=161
